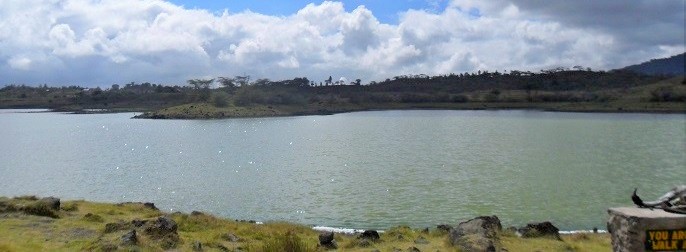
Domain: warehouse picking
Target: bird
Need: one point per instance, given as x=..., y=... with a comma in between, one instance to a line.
x=637, y=200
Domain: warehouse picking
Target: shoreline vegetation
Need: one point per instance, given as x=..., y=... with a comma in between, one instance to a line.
x=29, y=223
x=566, y=90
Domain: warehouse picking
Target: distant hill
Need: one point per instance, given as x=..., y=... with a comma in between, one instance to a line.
x=670, y=66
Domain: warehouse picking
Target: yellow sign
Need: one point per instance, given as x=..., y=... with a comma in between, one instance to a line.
x=666, y=240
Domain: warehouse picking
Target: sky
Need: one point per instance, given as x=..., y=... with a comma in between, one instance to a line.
x=104, y=42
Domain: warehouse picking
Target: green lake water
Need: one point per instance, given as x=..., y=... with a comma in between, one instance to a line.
x=354, y=170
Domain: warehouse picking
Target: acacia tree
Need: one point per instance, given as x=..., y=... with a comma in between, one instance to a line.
x=202, y=87
x=226, y=82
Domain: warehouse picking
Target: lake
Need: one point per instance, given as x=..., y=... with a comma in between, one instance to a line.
x=356, y=170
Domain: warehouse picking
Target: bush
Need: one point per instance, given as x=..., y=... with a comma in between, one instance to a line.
x=220, y=100
x=249, y=95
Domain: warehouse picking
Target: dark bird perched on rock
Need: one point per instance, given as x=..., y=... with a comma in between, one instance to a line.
x=637, y=200
x=672, y=201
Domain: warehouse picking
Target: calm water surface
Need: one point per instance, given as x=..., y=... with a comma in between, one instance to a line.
x=356, y=170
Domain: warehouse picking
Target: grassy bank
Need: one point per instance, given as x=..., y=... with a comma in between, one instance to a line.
x=31, y=224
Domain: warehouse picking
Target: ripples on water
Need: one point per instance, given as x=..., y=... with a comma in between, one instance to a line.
x=353, y=170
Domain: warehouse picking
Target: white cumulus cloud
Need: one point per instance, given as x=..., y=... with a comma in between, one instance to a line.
x=103, y=42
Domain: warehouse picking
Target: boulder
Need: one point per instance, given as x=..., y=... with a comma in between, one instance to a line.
x=326, y=240
x=138, y=223
x=129, y=238
x=542, y=229
x=52, y=203
x=161, y=226
x=150, y=205
x=478, y=234
x=369, y=235
x=163, y=229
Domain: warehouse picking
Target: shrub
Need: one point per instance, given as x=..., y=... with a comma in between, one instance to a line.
x=220, y=100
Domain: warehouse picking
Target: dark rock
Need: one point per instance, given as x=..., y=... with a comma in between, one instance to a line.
x=138, y=223
x=197, y=213
x=413, y=249
x=52, y=202
x=444, y=227
x=161, y=227
x=325, y=238
x=150, y=205
x=425, y=231
x=511, y=229
x=230, y=237
x=478, y=234
x=370, y=235
x=197, y=246
x=421, y=240
x=543, y=229
x=129, y=238
x=327, y=241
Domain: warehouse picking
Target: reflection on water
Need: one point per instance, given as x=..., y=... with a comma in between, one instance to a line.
x=354, y=170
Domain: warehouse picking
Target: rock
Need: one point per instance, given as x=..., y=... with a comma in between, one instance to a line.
x=161, y=227
x=164, y=230
x=425, y=231
x=129, y=238
x=138, y=223
x=629, y=227
x=543, y=229
x=413, y=249
x=197, y=213
x=197, y=246
x=52, y=202
x=230, y=237
x=444, y=227
x=421, y=240
x=478, y=234
x=370, y=235
x=326, y=240
x=150, y=205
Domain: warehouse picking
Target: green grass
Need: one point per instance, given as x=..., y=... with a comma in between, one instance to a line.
x=83, y=228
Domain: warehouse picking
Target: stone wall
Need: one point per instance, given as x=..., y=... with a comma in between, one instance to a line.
x=640, y=229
